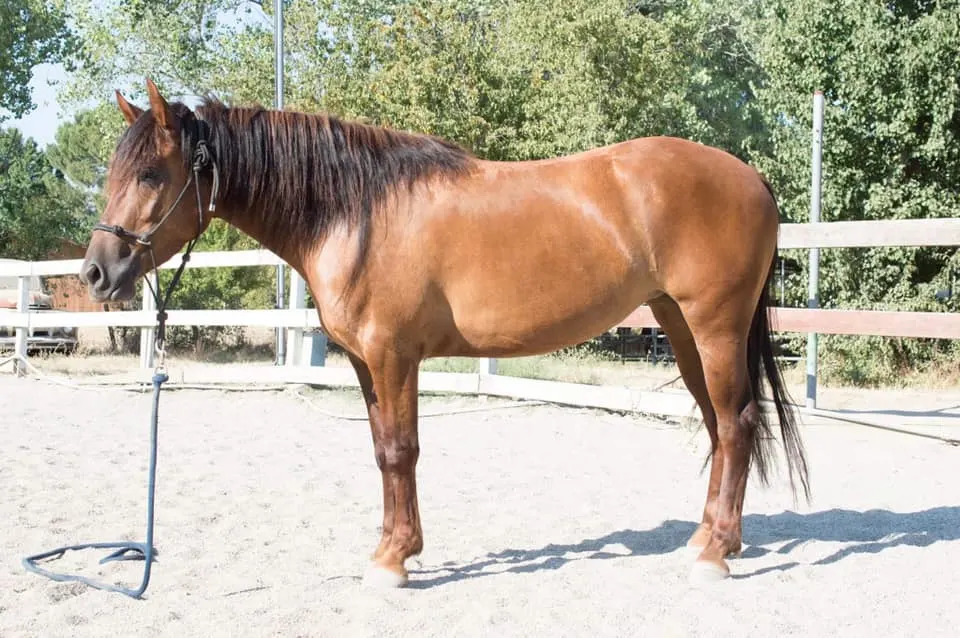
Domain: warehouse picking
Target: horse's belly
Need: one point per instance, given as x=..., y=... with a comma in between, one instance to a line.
x=533, y=314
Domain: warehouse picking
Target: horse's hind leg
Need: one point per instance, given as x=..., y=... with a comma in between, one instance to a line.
x=721, y=334
x=668, y=315
x=393, y=419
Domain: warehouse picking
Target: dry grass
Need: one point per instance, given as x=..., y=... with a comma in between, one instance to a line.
x=573, y=367
x=576, y=365
x=100, y=362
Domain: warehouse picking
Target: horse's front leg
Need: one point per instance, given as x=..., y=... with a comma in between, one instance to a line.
x=376, y=427
x=392, y=404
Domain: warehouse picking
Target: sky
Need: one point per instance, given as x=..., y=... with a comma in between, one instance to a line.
x=41, y=123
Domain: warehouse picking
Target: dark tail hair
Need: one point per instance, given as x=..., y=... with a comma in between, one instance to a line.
x=760, y=352
x=760, y=360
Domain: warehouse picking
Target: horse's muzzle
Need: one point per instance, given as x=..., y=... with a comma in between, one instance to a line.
x=110, y=280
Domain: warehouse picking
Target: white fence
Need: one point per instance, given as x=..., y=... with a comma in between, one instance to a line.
x=927, y=232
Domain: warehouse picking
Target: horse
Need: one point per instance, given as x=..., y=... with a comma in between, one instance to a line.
x=413, y=247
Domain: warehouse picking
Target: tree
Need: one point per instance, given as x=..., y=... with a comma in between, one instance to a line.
x=32, y=32
x=891, y=150
x=183, y=45
x=509, y=80
x=82, y=148
x=37, y=207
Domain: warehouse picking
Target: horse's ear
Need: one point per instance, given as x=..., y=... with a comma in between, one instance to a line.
x=161, y=110
x=130, y=112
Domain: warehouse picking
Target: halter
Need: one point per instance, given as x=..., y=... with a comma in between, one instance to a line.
x=202, y=158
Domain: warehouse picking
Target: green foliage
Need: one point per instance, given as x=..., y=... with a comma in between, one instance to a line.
x=176, y=42
x=37, y=207
x=82, y=150
x=222, y=288
x=32, y=32
x=83, y=146
x=509, y=80
x=891, y=151
x=218, y=289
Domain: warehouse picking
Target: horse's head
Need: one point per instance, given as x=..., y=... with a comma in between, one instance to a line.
x=152, y=201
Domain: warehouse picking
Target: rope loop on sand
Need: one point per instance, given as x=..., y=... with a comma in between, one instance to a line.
x=124, y=550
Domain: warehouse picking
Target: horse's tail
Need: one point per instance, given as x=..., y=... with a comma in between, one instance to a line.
x=760, y=360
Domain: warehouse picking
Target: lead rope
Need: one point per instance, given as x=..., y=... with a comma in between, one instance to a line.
x=124, y=550
x=128, y=550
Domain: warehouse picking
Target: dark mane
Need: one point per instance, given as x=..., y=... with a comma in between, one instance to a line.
x=302, y=174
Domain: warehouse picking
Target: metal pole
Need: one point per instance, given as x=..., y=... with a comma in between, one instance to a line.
x=290, y=347
x=813, y=280
x=278, y=59
x=783, y=284
x=488, y=365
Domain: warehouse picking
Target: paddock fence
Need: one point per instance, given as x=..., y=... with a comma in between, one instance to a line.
x=297, y=318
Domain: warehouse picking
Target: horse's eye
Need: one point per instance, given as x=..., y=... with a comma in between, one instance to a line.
x=150, y=176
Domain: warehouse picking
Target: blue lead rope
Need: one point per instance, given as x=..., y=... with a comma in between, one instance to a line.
x=125, y=550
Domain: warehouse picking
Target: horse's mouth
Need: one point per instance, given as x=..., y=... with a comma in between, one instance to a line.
x=124, y=292
x=116, y=282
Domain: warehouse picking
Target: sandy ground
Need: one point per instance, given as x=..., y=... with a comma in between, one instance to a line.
x=538, y=521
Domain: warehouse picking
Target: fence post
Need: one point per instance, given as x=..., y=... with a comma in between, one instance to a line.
x=147, y=334
x=813, y=279
x=20, y=345
x=298, y=301
x=488, y=366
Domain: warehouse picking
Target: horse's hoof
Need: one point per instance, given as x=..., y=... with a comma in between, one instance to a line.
x=705, y=572
x=380, y=577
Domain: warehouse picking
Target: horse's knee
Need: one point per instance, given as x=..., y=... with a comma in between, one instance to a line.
x=397, y=454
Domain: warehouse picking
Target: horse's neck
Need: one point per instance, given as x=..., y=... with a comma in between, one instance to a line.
x=251, y=223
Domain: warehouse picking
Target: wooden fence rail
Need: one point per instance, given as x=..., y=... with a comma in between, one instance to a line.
x=880, y=323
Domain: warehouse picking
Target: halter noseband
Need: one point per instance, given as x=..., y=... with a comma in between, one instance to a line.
x=202, y=158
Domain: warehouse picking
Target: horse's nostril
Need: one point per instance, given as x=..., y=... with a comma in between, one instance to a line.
x=92, y=274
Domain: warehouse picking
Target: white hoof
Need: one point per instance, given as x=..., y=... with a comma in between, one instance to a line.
x=704, y=572
x=382, y=578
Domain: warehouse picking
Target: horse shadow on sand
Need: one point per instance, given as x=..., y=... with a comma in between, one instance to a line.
x=868, y=532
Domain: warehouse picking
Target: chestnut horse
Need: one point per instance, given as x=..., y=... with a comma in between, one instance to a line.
x=414, y=248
